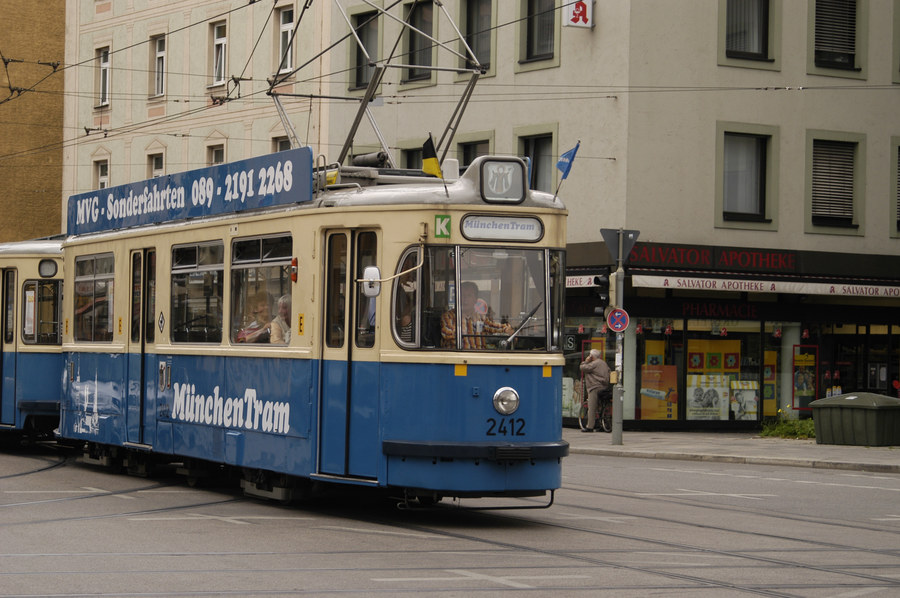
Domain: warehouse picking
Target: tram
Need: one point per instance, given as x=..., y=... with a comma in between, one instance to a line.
x=301, y=325
x=30, y=348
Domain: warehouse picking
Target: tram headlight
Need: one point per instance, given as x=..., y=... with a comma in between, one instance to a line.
x=506, y=400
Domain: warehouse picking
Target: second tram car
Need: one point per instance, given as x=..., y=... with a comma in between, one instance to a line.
x=30, y=355
x=389, y=330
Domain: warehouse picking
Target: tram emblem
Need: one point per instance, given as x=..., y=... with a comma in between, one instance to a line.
x=500, y=178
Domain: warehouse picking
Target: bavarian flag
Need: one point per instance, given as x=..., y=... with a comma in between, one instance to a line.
x=430, y=164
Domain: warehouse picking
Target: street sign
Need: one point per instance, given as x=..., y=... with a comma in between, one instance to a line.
x=618, y=320
x=611, y=239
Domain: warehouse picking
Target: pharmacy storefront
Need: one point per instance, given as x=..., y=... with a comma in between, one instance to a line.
x=724, y=336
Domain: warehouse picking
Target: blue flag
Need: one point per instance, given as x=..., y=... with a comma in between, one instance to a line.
x=565, y=161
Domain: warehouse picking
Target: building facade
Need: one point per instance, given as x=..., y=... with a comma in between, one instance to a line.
x=754, y=148
x=31, y=109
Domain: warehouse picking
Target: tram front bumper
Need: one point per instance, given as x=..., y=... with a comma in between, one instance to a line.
x=477, y=450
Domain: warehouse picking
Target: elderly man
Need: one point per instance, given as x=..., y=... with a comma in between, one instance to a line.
x=596, y=381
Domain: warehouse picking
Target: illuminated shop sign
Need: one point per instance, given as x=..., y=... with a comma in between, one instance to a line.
x=764, y=286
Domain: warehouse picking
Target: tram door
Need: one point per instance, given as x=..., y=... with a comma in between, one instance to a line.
x=348, y=404
x=141, y=333
x=8, y=350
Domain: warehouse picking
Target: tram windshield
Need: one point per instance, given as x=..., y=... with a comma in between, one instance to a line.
x=479, y=298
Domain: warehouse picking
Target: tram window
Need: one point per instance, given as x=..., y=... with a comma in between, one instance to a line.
x=150, y=322
x=197, y=291
x=94, y=292
x=9, y=305
x=260, y=290
x=40, y=304
x=502, y=304
x=365, y=306
x=405, y=300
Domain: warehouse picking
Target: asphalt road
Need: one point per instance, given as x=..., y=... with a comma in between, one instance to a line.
x=619, y=527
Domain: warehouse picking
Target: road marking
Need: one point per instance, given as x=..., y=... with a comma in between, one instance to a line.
x=807, y=482
x=505, y=580
x=361, y=530
x=888, y=518
x=235, y=519
x=686, y=492
x=608, y=518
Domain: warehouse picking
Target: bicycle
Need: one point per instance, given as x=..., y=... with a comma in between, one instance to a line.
x=604, y=413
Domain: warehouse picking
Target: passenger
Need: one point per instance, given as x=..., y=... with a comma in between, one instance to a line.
x=596, y=381
x=475, y=324
x=281, y=325
x=260, y=329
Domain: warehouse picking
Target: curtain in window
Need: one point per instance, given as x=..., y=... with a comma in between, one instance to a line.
x=746, y=26
x=832, y=180
x=541, y=17
x=742, y=174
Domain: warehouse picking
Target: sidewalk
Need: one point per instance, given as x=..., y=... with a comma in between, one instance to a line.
x=736, y=447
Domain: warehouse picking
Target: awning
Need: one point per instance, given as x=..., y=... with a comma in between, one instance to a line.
x=798, y=287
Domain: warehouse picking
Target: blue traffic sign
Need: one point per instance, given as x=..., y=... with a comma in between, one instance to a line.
x=618, y=320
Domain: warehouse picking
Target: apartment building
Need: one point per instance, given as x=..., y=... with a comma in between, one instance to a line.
x=752, y=144
x=31, y=105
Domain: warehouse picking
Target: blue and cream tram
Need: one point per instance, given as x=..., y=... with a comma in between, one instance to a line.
x=385, y=330
x=30, y=355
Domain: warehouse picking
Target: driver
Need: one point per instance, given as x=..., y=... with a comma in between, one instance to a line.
x=475, y=323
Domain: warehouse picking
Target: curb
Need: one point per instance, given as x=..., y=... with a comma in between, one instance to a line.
x=742, y=459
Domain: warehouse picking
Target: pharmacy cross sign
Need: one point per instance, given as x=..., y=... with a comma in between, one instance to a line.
x=617, y=320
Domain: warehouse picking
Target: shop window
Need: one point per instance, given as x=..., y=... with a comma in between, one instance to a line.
x=660, y=355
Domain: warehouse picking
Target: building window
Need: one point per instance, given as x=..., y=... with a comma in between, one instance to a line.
x=366, y=26
x=835, y=34
x=155, y=165
x=539, y=151
x=747, y=29
x=744, y=178
x=471, y=150
x=419, y=47
x=285, y=39
x=103, y=76
x=833, y=184
x=478, y=31
x=897, y=183
x=101, y=174
x=280, y=144
x=540, y=26
x=412, y=158
x=219, y=53
x=215, y=154
x=158, y=66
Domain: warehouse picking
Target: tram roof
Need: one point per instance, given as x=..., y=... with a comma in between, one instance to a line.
x=43, y=246
x=284, y=180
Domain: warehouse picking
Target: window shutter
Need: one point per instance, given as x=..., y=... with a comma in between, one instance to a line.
x=835, y=39
x=832, y=181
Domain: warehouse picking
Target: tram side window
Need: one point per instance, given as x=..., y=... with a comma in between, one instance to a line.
x=260, y=290
x=365, y=312
x=406, y=292
x=197, y=291
x=94, y=292
x=40, y=318
x=9, y=305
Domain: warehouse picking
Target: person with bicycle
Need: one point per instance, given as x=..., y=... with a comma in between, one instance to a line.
x=596, y=381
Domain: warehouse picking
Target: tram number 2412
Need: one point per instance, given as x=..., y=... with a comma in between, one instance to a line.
x=505, y=426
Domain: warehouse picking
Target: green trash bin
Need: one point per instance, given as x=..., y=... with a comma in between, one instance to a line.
x=858, y=418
